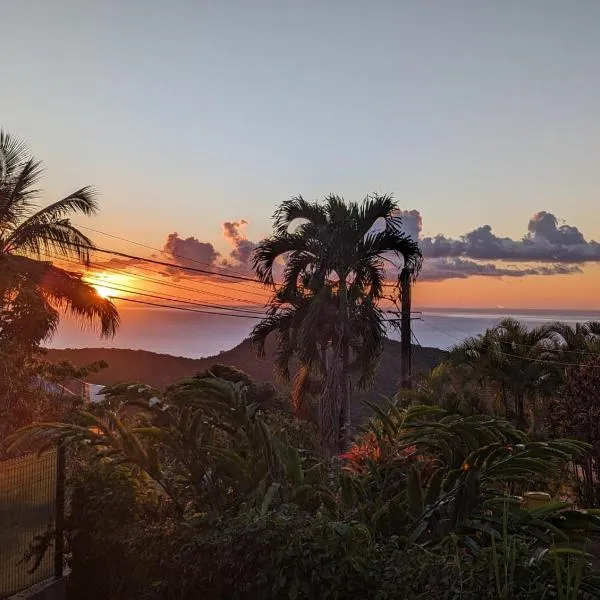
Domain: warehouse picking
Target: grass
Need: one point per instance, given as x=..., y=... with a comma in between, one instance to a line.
x=27, y=507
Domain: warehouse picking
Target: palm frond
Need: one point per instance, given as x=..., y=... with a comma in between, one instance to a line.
x=297, y=208
x=69, y=292
x=268, y=251
x=35, y=236
x=18, y=175
x=375, y=207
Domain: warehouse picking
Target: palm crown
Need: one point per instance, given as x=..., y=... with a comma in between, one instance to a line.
x=33, y=289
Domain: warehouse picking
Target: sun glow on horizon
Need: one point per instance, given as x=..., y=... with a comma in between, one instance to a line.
x=109, y=285
x=103, y=291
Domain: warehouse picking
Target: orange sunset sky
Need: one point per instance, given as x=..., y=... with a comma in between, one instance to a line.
x=194, y=123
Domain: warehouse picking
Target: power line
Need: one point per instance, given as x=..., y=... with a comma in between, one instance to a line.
x=104, y=267
x=100, y=267
x=131, y=289
x=141, y=245
x=183, y=308
x=164, y=263
x=140, y=292
x=203, y=282
x=166, y=284
x=529, y=358
x=148, y=247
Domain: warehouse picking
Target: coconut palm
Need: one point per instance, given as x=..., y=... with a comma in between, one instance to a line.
x=32, y=289
x=325, y=311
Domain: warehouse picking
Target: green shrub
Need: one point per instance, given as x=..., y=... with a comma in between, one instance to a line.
x=116, y=530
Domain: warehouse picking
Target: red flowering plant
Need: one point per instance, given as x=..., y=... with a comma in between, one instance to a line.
x=368, y=448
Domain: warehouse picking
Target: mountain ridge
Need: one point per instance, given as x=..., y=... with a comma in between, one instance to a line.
x=160, y=370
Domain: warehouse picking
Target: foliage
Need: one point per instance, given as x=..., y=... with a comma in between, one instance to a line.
x=326, y=311
x=32, y=290
x=575, y=412
x=513, y=371
x=433, y=473
x=204, y=443
x=428, y=503
x=263, y=394
x=116, y=529
x=32, y=389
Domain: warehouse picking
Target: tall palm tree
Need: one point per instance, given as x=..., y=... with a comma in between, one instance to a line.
x=325, y=311
x=32, y=288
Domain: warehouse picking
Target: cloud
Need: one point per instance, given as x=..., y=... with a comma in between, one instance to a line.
x=190, y=252
x=118, y=263
x=439, y=269
x=547, y=248
x=243, y=247
x=545, y=241
x=412, y=223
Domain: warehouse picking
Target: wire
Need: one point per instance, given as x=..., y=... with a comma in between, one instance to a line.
x=154, y=280
x=169, y=264
x=228, y=273
x=141, y=292
x=205, y=312
x=138, y=292
x=414, y=337
x=122, y=239
x=106, y=284
x=529, y=358
x=141, y=245
x=544, y=348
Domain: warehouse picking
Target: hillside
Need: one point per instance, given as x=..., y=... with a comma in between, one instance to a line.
x=159, y=370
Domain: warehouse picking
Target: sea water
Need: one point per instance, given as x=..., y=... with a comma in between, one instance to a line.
x=197, y=335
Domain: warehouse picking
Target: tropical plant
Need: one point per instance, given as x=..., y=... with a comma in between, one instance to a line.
x=325, y=312
x=514, y=362
x=32, y=289
x=575, y=412
x=33, y=389
x=203, y=442
x=434, y=473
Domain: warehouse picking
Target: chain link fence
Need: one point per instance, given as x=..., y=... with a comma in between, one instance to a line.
x=31, y=507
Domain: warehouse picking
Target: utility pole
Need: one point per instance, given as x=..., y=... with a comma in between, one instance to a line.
x=405, y=330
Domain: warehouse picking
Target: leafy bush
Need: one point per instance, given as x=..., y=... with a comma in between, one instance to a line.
x=205, y=494
x=115, y=530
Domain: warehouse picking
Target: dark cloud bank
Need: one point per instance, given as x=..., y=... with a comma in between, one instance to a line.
x=546, y=249
x=560, y=249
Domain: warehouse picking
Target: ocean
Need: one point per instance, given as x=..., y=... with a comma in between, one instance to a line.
x=199, y=335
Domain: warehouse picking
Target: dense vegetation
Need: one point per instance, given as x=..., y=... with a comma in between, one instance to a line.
x=32, y=289
x=201, y=492
x=224, y=487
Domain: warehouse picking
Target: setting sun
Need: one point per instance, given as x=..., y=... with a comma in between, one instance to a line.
x=109, y=285
x=103, y=291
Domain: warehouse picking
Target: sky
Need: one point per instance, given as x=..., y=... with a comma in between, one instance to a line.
x=190, y=115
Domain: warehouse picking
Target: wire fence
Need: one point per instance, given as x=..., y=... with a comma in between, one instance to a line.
x=31, y=509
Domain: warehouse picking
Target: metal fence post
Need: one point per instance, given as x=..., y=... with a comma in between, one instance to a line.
x=59, y=542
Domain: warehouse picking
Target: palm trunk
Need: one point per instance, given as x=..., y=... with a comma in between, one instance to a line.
x=345, y=412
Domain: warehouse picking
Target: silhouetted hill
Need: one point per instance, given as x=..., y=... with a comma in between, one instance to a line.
x=159, y=370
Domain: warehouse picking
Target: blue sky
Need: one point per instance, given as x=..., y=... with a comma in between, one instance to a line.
x=186, y=113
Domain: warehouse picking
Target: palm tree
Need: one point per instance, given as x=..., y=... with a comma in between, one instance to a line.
x=325, y=311
x=515, y=360
x=32, y=289
x=575, y=342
